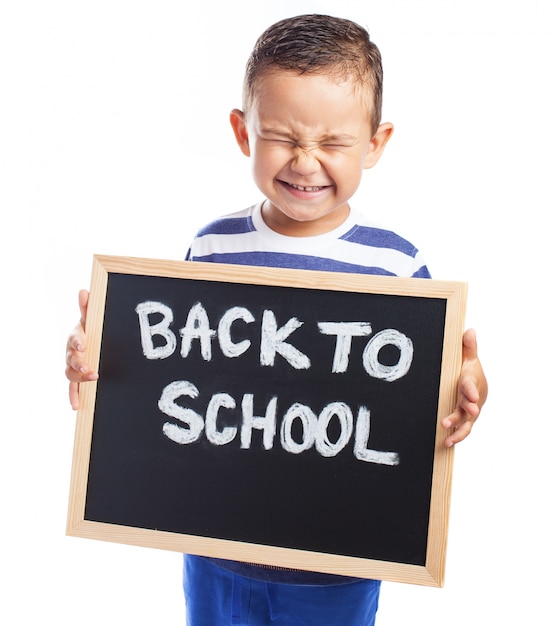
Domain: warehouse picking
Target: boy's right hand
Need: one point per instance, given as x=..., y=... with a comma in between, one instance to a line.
x=77, y=369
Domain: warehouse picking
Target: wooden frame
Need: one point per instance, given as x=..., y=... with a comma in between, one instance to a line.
x=431, y=574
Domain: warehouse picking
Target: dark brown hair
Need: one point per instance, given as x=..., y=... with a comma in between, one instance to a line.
x=318, y=44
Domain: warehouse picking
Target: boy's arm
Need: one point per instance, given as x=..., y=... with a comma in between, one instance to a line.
x=472, y=390
x=77, y=369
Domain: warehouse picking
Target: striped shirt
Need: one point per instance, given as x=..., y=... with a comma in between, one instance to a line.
x=354, y=247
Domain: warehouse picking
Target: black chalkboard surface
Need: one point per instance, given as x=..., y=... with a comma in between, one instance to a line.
x=282, y=417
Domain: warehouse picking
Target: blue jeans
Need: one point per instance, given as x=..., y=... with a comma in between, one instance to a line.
x=216, y=597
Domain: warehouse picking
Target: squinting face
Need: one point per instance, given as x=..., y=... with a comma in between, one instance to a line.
x=309, y=138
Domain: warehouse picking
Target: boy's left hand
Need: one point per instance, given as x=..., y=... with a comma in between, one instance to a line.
x=472, y=390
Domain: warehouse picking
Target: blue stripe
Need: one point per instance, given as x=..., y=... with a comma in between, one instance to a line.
x=230, y=226
x=291, y=261
x=422, y=272
x=379, y=238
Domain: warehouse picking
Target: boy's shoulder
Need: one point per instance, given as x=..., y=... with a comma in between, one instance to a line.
x=230, y=224
x=369, y=233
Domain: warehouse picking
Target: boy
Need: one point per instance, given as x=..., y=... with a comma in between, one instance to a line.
x=310, y=125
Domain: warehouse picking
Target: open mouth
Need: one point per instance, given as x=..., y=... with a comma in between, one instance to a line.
x=300, y=188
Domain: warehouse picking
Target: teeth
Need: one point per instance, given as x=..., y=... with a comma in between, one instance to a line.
x=305, y=188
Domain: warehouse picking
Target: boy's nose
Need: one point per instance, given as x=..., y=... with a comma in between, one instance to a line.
x=305, y=161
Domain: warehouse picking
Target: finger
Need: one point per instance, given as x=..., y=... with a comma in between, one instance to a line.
x=459, y=434
x=77, y=370
x=74, y=396
x=83, y=299
x=76, y=367
x=465, y=411
x=452, y=420
x=469, y=392
x=76, y=341
x=461, y=423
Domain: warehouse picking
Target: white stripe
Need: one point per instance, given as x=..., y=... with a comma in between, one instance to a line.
x=388, y=259
x=327, y=246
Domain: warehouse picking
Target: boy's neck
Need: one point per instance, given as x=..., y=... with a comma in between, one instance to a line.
x=283, y=225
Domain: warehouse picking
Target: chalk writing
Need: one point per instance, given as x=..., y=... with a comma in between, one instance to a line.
x=273, y=342
x=159, y=341
x=314, y=427
x=273, y=339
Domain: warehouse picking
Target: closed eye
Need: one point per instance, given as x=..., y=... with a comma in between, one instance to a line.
x=279, y=142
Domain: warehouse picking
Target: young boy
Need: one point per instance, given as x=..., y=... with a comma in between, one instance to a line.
x=310, y=125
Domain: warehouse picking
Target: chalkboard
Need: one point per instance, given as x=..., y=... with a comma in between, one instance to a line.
x=281, y=417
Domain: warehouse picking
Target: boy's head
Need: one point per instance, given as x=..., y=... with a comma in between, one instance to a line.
x=311, y=120
x=319, y=44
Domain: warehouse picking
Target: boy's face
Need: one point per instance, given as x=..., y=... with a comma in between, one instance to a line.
x=309, y=138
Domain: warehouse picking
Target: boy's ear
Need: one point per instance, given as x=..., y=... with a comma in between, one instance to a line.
x=377, y=144
x=238, y=123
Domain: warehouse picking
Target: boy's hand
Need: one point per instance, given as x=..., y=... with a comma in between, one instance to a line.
x=472, y=390
x=77, y=369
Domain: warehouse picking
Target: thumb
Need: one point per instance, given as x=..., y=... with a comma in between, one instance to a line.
x=470, y=349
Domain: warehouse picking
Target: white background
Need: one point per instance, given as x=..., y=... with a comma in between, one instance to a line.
x=115, y=140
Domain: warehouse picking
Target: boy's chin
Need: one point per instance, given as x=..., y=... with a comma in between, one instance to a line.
x=304, y=222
